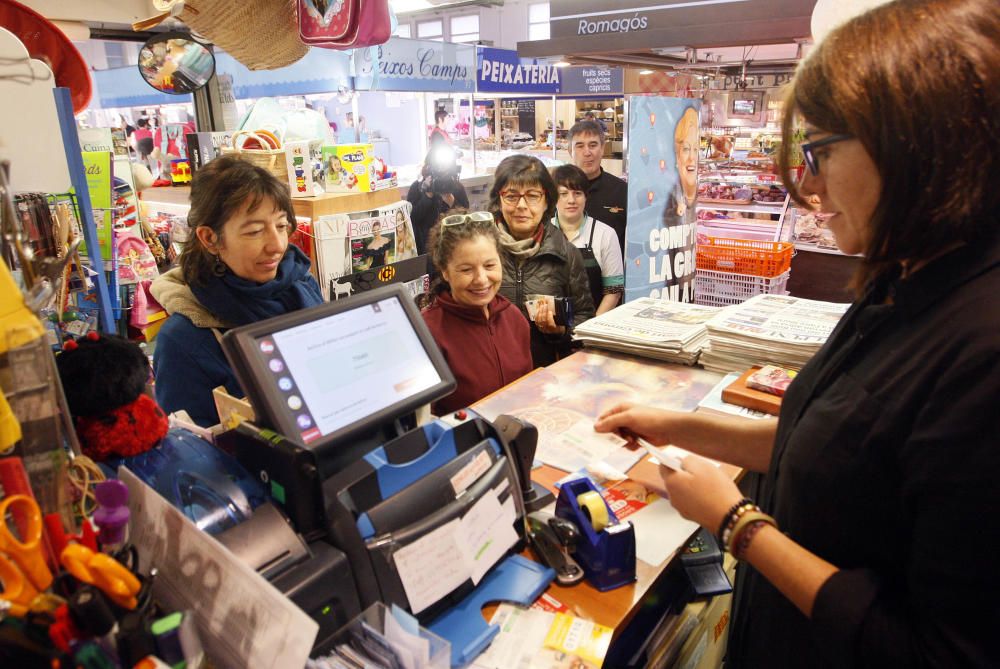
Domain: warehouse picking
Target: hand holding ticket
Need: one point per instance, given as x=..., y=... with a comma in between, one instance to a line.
x=665, y=459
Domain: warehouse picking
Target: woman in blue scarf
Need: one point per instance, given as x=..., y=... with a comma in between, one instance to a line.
x=237, y=268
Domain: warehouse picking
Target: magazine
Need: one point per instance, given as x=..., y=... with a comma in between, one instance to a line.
x=348, y=243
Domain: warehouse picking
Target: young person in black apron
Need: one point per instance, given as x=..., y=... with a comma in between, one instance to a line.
x=598, y=243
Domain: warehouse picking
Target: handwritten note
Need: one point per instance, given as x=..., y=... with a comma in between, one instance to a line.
x=486, y=534
x=432, y=566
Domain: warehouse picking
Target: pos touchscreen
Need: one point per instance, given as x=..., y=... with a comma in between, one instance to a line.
x=343, y=368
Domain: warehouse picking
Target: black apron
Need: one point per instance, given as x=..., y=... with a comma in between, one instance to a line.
x=595, y=278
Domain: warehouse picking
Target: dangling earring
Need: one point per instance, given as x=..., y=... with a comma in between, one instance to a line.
x=219, y=267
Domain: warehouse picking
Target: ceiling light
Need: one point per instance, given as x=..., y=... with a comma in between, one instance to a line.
x=562, y=63
x=645, y=71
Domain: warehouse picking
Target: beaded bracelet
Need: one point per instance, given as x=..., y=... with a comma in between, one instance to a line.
x=747, y=536
x=725, y=519
x=734, y=518
x=736, y=545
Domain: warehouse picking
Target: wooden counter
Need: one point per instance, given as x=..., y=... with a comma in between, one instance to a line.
x=580, y=387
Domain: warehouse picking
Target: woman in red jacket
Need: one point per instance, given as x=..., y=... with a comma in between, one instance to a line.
x=485, y=339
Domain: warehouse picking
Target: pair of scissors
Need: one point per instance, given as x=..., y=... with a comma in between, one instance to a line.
x=103, y=572
x=22, y=562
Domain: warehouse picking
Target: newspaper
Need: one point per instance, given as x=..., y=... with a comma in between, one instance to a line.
x=352, y=242
x=769, y=330
x=672, y=331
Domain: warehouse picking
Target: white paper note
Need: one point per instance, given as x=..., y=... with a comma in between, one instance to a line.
x=486, y=533
x=659, y=531
x=432, y=566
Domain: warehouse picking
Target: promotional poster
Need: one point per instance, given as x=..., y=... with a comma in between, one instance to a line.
x=662, y=193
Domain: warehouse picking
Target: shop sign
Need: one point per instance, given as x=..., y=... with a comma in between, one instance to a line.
x=592, y=80
x=415, y=65
x=687, y=22
x=752, y=81
x=501, y=71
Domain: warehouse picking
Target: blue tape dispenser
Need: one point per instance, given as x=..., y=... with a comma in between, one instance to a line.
x=606, y=547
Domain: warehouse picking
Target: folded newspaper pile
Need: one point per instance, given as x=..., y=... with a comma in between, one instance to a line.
x=769, y=330
x=671, y=331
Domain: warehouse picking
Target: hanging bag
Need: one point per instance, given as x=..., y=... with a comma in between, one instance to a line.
x=260, y=34
x=344, y=24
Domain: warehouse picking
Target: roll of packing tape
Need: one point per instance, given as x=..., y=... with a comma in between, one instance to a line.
x=593, y=506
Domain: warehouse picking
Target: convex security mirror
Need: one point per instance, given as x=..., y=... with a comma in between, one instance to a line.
x=176, y=64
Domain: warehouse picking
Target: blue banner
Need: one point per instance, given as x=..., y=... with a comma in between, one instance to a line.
x=124, y=87
x=319, y=71
x=501, y=71
x=662, y=193
x=592, y=80
x=416, y=65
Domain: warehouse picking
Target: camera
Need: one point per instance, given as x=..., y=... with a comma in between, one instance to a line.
x=442, y=170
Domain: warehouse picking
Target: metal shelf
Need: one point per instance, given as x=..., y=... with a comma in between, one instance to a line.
x=776, y=208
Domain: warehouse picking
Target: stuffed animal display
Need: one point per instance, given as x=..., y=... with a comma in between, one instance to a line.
x=104, y=378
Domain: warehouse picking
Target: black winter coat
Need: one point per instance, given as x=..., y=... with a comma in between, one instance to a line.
x=557, y=270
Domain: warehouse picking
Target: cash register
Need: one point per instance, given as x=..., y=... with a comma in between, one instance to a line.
x=367, y=505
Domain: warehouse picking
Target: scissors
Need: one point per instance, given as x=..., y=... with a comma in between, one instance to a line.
x=104, y=572
x=22, y=563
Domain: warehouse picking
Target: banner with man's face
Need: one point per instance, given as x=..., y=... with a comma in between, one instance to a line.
x=662, y=192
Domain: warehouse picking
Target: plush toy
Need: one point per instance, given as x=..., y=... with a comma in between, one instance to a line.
x=104, y=378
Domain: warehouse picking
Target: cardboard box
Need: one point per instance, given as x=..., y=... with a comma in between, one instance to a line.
x=348, y=168
x=300, y=174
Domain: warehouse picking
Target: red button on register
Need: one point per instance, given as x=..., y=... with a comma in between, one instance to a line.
x=461, y=415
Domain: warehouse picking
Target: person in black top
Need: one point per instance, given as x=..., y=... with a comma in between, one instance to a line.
x=435, y=192
x=607, y=198
x=882, y=466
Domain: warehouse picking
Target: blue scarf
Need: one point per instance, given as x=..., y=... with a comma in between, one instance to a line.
x=239, y=301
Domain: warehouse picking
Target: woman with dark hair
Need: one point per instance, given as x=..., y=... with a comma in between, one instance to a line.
x=237, y=268
x=885, y=453
x=538, y=260
x=597, y=241
x=485, y=340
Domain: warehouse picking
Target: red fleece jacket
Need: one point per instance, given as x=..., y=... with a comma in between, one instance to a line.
x=484, y=355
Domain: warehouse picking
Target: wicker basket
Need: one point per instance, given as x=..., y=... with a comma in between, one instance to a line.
x=261, y=34
x=272, y=160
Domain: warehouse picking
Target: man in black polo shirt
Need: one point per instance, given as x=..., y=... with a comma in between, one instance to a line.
x=608, y=195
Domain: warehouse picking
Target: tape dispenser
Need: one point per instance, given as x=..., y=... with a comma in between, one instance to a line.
x=606, y=546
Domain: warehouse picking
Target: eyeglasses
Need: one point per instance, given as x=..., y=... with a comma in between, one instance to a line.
x=531, y=197
x=462, y=219
x=812, y=161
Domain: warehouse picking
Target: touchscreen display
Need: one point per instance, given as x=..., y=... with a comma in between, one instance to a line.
x=340, y=369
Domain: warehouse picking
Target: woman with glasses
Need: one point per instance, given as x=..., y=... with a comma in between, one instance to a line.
x=485, y=340
x=539, y=264
x=598, y=242
x=883, y=462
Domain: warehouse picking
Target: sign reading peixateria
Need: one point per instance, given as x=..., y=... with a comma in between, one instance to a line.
x=501, y=71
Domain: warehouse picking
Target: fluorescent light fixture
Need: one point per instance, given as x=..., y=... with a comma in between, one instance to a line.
x=562, y=63
x=645, y=71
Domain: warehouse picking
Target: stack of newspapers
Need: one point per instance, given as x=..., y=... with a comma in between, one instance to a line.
x=671, y=331
x=769, y=330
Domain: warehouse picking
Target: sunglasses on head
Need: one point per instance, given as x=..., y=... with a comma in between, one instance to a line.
x=462, y=219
